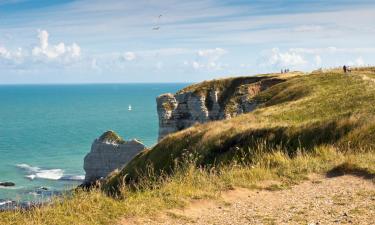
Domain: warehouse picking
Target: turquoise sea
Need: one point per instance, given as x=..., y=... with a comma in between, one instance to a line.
x=46, y=130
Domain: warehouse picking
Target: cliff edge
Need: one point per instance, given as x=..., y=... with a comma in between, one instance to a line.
x=209, y=101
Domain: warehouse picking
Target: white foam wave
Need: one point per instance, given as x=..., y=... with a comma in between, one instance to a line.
x=28, y=167
x=34, y=172
x=73, y=177
x=53, y=174
x=5, y=202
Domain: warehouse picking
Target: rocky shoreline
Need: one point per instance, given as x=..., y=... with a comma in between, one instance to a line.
x=44, y=192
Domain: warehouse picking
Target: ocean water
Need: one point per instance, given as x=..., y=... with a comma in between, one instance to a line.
x=46, y=130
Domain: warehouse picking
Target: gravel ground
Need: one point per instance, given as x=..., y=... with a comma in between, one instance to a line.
x=339, y=200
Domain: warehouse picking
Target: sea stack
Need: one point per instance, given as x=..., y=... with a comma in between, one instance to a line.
x=108, y=153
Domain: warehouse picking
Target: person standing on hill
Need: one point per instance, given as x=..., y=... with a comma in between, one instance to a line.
x=345, y=68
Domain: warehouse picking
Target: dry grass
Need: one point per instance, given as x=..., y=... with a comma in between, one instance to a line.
x=306, y=111
x=189, y=183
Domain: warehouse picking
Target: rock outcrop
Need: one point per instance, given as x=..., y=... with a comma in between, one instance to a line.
x=7, y=184
x=108, y=153
x=208, y=101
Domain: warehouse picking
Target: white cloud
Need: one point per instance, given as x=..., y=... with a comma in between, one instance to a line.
x=12, y=57
x=4, y=53
x=196, y=65
x=357, y=62
x=212, y=54
x=159, y=65
x=43, y=56
x=60, y=50
x=276, y=58
x=332, y=50
x=318, y=60
x=129, y=56
x=94, y=64
x=207, y=59
x=308, y=28
x=360, y=61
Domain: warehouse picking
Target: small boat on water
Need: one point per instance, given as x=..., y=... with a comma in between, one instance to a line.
x=130, y=108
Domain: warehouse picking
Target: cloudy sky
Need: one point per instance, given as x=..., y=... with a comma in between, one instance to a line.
x=106, y=41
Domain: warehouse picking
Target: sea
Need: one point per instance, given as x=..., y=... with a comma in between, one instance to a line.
x=46, y=130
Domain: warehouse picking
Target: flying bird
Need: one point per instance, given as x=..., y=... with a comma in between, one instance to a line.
x=157, y=27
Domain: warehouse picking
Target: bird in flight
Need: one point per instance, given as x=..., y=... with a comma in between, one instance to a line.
x=158, y=26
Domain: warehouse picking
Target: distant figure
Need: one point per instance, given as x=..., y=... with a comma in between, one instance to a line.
x=345, y=68
x=282, y=71
x=348, y=69
x=285, y=71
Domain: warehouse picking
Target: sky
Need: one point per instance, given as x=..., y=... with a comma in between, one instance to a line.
x=124, y=41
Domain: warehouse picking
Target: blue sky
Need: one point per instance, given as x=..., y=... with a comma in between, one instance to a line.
x=92, y=41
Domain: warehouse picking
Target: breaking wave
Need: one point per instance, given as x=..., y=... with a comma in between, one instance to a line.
x=34, y=172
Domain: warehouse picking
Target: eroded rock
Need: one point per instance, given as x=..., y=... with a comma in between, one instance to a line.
x=209, y=101
x=108, y=153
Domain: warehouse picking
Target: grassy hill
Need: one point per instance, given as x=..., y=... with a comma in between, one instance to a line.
x=319, y=122
x=305, y=112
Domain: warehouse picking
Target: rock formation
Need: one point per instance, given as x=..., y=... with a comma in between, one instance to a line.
x=109, y=152
x=208, y=101
x=7, y=184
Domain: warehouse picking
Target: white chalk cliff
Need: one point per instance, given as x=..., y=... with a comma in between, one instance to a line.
x=208, y=101
x=108, y=153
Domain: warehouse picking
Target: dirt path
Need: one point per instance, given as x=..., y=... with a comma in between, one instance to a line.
x=321, y=200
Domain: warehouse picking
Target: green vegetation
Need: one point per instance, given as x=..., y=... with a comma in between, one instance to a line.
x=302, y=113
x=168, y=106
x=230, y=90
x=154, y=193
x=111, y=136
x=315, y=123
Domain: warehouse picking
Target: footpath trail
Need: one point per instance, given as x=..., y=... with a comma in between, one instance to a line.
x=320, y=200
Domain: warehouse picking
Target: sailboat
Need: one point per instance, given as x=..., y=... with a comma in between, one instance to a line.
x=130, y=108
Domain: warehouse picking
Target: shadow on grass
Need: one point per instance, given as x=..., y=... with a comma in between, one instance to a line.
x=350, y=169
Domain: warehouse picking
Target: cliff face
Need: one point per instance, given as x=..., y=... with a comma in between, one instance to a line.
x=208, y=101
x=108, y=153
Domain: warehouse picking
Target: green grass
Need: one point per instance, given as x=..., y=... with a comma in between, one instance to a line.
x=230, y=90
x=304, y=112
x=111, y=136
x=314, y=123
x=151, y=195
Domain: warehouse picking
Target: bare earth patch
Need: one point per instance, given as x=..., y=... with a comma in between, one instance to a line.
x=320, y=200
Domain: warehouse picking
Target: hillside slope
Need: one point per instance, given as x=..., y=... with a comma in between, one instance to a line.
x=306, y=111
x=212, y=100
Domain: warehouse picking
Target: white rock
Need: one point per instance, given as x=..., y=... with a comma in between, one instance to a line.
x=107, y=156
